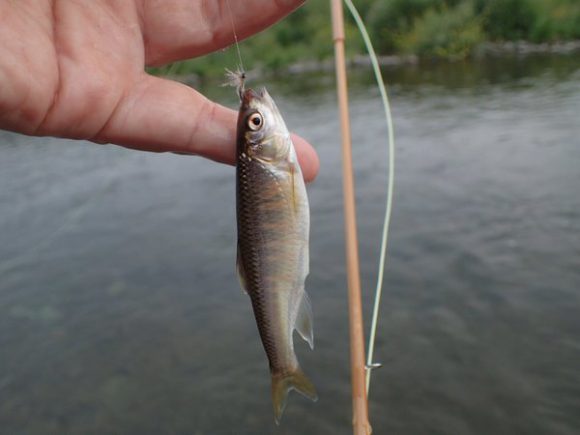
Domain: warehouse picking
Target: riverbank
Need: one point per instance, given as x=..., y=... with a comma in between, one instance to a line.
x=516, y=48
x=487, y=49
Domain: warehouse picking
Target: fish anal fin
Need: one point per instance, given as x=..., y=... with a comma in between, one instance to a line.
x=281, y=386
x=241, y=272
x=303, y=323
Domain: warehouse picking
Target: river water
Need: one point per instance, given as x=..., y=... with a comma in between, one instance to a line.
x=120, y=311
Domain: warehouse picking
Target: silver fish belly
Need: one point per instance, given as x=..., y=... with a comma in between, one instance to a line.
x=273, y=231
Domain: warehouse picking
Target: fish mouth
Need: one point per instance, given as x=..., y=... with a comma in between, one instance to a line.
x=251, y=95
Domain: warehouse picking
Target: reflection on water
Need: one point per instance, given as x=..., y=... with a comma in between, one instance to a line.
x=120, y=311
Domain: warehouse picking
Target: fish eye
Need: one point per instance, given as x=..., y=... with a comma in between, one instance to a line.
x=255, y=121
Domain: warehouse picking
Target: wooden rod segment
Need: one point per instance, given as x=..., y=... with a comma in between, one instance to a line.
x=361, y=424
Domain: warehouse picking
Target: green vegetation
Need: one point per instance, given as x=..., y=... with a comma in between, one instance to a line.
x=450, y=32
x=428, y=28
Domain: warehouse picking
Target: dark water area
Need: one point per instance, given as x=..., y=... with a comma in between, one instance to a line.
x=120, y=311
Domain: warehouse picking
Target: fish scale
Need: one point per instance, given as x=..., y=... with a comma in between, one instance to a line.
x=273, y=230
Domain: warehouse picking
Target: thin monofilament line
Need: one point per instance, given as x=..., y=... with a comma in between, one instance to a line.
x=235, y=36
x=390, y=185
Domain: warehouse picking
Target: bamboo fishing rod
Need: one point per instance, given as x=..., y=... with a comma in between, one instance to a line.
x=360, y=420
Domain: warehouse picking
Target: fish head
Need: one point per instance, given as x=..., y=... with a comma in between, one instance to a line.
x=262, y=133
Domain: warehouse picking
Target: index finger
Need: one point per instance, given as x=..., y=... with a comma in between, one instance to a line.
x=163, y=115
x=179, y=29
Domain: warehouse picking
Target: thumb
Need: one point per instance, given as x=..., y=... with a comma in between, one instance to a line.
x=163, y=115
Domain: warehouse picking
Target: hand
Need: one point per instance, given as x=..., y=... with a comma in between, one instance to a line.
x=75, y=69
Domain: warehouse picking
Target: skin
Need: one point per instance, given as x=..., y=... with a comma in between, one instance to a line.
x=75, y=69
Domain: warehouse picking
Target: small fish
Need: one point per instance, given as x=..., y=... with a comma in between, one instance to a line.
x=273, y=232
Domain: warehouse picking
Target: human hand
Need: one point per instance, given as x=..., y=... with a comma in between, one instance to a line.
x=75, y=69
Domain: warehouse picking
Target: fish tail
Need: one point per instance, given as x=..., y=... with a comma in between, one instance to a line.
x=283, y=383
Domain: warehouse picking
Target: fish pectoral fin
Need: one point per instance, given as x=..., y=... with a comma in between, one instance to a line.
x=294, y=204
x=295, y=178
x=283, y=383
x=303, y=322
x=241, y=272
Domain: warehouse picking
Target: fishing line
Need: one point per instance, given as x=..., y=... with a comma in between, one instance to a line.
x=390, y=185
x=243, y=70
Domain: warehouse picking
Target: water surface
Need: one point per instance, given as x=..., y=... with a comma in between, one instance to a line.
x=120, y=311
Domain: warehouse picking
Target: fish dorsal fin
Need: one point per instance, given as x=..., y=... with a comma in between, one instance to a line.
x=304, y=320
x=241, y=272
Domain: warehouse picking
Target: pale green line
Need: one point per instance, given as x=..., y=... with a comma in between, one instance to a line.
x=390, y=185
